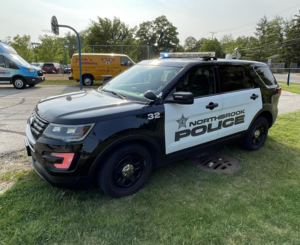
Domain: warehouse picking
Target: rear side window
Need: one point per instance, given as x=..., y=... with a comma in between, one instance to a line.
x=265, y=75
x=48, y=65
x=234, y=78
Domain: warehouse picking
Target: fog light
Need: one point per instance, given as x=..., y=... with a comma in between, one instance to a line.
x=67, y=160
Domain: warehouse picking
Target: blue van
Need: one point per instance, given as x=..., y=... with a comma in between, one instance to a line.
x=17, y=71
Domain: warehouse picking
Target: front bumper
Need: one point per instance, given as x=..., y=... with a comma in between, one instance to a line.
x=34, y=80
x=61, y=181
x=77, y=177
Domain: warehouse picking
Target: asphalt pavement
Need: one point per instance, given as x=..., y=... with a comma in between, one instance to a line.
x=17, y=105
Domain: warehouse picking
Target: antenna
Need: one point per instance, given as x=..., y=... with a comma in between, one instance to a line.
x=123, y=38
x=168, y=43
x=119, y=36
x=162, y=33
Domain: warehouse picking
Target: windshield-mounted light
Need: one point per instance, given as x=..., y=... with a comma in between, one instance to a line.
x=68, y=133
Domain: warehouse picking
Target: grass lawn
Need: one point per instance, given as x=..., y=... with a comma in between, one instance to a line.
x=259, y=204
x=294, y=87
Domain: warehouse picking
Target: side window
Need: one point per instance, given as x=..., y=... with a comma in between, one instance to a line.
x=234, y=78
x=125, y=62
x=2, y=64
x=199, y=81
x=265, y=75
x=9, y=64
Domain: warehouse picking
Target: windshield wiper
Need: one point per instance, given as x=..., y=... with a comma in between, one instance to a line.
x=115, y=93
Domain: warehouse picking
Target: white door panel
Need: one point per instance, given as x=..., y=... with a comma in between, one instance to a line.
x=191, y=125
x=241, y=109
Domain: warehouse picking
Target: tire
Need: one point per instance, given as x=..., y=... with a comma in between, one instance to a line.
x=87, y=80
x=256, y=135
x=19, y=83
x=125, y=171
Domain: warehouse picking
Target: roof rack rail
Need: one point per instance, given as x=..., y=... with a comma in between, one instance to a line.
x=208, y=58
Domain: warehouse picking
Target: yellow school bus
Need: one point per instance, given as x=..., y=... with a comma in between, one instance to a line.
x=95, y=65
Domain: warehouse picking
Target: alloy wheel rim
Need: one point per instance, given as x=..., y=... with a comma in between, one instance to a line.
x=128, y=171
x=87, y=81
x=258, y=134
x=19, y=83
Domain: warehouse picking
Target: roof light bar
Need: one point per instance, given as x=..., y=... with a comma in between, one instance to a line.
x=187, y=54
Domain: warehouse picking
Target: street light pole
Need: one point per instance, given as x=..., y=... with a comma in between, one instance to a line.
x=79, y=50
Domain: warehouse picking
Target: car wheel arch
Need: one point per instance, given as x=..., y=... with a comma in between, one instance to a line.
x=145, y=141
x=16, y=76
x=266, y=114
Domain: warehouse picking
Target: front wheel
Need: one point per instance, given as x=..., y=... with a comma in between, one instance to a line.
x=125, y=171
x=256, y=135
x=19, y=83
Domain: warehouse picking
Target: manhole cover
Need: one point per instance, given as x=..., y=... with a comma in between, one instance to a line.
x=218, y=163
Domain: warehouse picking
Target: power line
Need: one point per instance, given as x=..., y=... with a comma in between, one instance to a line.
x=291, y=9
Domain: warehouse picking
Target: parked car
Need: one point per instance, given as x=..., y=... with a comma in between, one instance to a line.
x=66, y=69
x=17, y=71
x=37, y=64
x=52, y=68
x=96, y=65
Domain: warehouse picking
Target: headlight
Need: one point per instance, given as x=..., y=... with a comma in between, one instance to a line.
x=30, y=70
x=68, y=133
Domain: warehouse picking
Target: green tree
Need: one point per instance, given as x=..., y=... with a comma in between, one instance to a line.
x=50, y=49
x=22, y=45
x=291, y=46
x=190, y=44
x=100, y=33
x=228, y=43
x=150, y=31
x=213, y=46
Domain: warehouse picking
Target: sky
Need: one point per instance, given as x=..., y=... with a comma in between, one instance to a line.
x=195, y=18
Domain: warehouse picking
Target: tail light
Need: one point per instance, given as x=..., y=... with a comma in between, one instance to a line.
x=67, y=160
x=72, y=70
x=279, y=90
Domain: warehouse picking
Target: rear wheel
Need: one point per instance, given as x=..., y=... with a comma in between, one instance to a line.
x=19, y=83
x=257, y=134
x=87, y=80
x=125, y=171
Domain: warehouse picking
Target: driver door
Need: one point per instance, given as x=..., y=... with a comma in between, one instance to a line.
x=191, y=125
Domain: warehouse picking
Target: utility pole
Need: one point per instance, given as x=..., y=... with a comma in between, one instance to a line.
x=212, y=34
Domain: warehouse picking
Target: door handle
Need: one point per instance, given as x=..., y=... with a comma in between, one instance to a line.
x=212, y=105
x=254, y=96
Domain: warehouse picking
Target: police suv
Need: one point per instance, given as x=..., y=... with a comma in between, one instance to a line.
x=153, y=113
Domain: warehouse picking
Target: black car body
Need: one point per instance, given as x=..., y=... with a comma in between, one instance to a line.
x=156, y=112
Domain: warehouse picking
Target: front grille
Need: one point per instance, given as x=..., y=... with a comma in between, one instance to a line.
x=40, y=73
x=37, y=125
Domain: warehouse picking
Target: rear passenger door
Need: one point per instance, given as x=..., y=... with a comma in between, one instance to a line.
x=241, y=101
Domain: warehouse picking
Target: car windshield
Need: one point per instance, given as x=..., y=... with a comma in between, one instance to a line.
x=19, y=60
x=138, y=79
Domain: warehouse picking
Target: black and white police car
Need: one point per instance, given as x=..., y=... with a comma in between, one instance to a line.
x=153, y=113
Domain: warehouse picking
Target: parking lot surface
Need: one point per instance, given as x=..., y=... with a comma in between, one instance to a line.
x=17, y=105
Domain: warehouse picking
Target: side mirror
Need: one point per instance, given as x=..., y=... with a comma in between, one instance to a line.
x=182, y=98
x=150, y=95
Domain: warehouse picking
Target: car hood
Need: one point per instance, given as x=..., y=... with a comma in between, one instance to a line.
x=85, y=107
